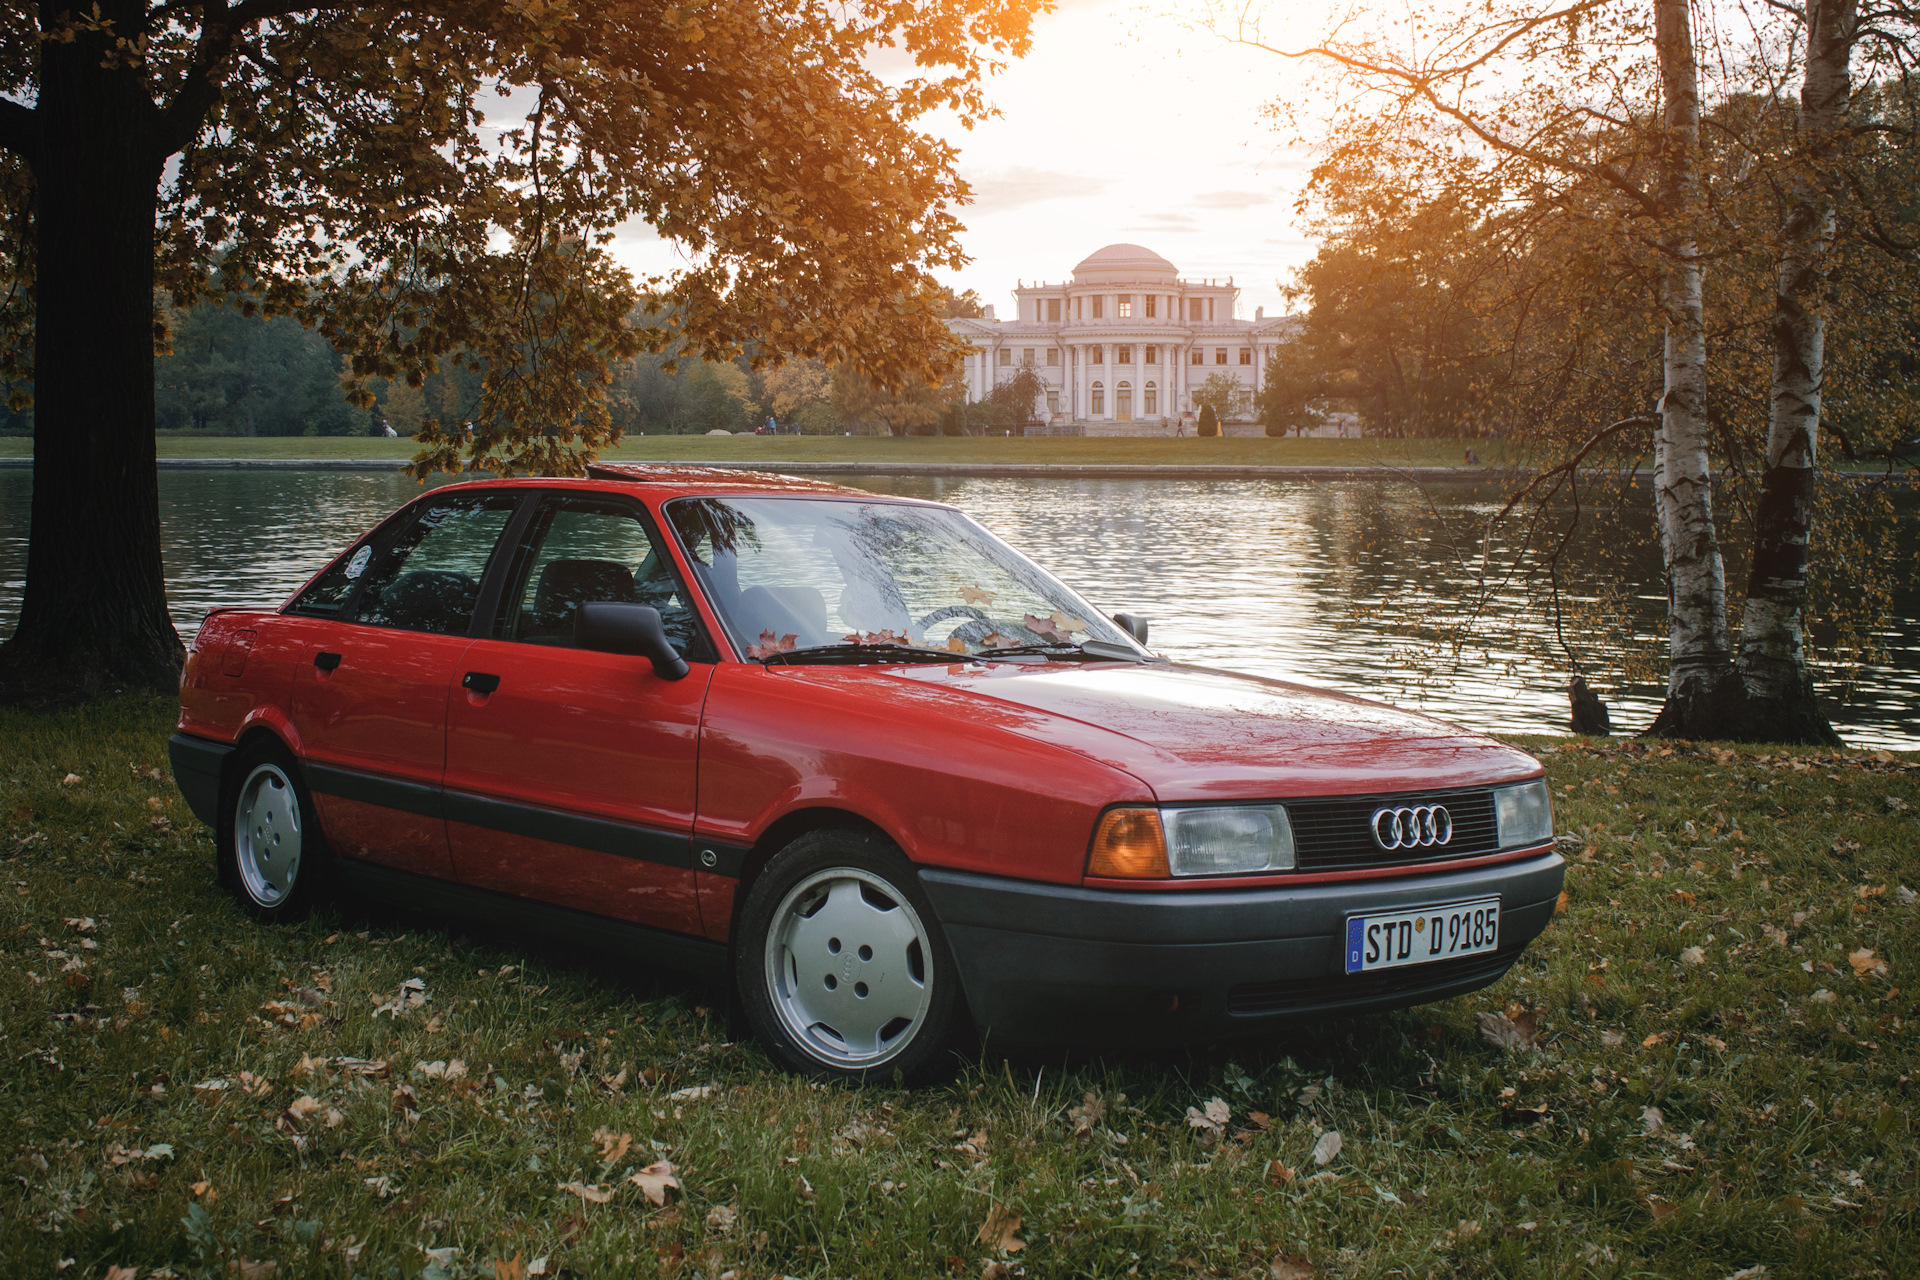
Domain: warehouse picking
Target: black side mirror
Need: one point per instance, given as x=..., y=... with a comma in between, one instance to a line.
x=1135, y=625
x=612, y=626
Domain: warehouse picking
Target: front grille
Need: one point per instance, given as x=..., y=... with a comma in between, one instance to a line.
x=1332, y=990
x=1337, y=834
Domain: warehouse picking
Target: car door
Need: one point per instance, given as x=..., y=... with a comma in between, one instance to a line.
x=370, y=700
x=570, y=773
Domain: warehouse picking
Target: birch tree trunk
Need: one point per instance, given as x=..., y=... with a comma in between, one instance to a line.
x=1778, y=688
x=1701, y=686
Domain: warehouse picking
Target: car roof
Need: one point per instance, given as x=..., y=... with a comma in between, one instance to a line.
x=670, y=481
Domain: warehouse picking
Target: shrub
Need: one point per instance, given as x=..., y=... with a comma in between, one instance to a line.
x=1209, y=422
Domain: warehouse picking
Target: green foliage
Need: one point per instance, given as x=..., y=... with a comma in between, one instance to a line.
x=1224, y=395
x=1673, y=1118
x=1209, y=423
x=231, y=373
x=692, y=397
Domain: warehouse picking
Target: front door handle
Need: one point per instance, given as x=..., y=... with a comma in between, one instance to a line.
x=480, y=682
x=326, y=661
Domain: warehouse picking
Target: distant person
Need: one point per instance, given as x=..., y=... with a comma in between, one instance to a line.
x=1473, y=459
x=386, y=429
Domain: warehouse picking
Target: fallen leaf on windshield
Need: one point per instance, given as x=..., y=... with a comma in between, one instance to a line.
x=1064, y=623
x=997, y=1231
x=875, y=637
x=771, y=644
x=656, y=1180
x=1045, y=628
x=974, y=595
x=956, y=644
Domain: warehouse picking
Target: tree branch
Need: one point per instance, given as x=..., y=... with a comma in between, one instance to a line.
x=221, y=27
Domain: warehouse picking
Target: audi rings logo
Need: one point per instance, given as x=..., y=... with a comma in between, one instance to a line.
x=1419, y=828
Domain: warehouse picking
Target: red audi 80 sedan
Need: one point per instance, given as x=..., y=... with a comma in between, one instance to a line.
x=858, y=757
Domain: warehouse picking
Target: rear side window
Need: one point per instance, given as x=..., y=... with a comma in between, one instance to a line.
x=429, y=579
x=579, y=550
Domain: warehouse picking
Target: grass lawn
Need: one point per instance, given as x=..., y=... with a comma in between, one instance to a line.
x=1231, y=451
x=1722, y=1078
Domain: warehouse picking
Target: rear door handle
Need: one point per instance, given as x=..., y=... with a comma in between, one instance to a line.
x=480, y=682
x=326, y=661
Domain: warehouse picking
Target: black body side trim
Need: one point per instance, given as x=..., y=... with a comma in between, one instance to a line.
x=669, y=848
x=513, y=919
x=389, y=793
x=197, y=765
x=727, y=859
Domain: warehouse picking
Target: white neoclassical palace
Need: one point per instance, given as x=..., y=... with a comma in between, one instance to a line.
x=1122, y=344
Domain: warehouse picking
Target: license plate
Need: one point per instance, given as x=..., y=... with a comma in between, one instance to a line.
x=1389, y=939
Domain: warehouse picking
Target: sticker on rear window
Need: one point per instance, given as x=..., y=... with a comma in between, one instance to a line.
x=358, y=565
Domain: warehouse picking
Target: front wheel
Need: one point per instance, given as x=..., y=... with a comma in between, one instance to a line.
x=843, y=969
x=271, y=851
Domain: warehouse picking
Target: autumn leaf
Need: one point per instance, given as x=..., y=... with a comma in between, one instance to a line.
x=771, y=644
x=956, y=644
x=1278, y=1174
x=1045, y=628
x=1091, y=1111
x=721, y=1218
x=514, y=1268
x=1210, y=1121
x=1290, y=1267
x=1327, y=1148
x=1865, y=967
x=975, y=595
x=656, y=1180
x=1694, y=956
x=612, y=1146
x=1512, y=1033
x=588, y=1192
x=997, y=1232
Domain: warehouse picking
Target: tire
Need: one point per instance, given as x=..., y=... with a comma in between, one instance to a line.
x=271, y=852
x=843, y=969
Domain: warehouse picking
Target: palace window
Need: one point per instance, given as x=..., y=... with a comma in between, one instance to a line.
x=1125, y=311
x=1026, y=355
x=1053, y=402
x=1123, y=402
x=1199, y=356
x=1150, y=400
x=1006, y=357
x=1053, y=356
x=1219, y=355
x=1094, y=353
x=1153, y=356
x=1194, y=306
x=1151, y=310
x=1099, y=306
x=1123, y=355
x=1053, y=311
x=1246, y=355
x=1076, y=308
x=1099, y=399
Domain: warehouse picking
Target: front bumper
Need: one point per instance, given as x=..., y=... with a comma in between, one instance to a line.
x=1045, y=963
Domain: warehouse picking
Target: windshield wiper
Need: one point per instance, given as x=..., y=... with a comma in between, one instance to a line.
x=883, y=651
x=1089, y=649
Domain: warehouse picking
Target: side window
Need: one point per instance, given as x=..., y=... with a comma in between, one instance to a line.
x=330, y=592
x=429, y=579
x=580, y=550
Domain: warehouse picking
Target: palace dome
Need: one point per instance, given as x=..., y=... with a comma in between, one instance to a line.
x=1125, y=264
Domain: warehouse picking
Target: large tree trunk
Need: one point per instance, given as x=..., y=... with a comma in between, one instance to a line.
x=1701, y=686
x=94, y=616
x=1778, y=688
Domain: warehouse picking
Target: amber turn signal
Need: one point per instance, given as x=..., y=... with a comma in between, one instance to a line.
x=1129, y=845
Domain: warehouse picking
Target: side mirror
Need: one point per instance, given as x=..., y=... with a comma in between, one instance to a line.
x=1134, y=624
x=615, y=627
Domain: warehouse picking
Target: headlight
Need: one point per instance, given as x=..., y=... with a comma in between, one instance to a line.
x=1524, y=814
x=1228, y=841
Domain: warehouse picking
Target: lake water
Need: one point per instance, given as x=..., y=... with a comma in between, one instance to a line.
x=1308, y=581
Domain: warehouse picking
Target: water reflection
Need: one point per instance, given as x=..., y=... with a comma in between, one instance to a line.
x=1301, y=580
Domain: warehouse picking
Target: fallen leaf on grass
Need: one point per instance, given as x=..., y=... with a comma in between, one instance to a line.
x=1278, y=1174
x=1694, y=955
x=1511, y=1034
x=1560, y=903
x=303, y=1106
x=120, y=1273
x=1907, y=896
x=588, y=1191
x=1091, y=1111
x=1210, y=1121
x=1661, y=1209
x=1288, y=1267
x=514, y=1268
x=1654, y=1039
x=1612, y=1039
x=804, y=1189
x=70, y=780
x=82, y=924
x=612, y=1145
x=997, y=1232
x=1823, y=996
x=692, y=1094
x=1865, y=966
x=1776, y=935
x=1327, y=1148
x=1761, y=1272
x=251, y=1270
x=656, y=1180
x=721, y=1218
x=1652, y=1119
x=994, y=1270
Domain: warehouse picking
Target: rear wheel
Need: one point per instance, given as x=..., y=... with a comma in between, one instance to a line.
x=843, y=969
x=271, y=850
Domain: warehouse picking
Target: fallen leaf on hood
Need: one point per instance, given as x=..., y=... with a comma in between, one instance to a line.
x=587, y=1191
x=656, y=1180
x=997, y=1232
x=1512, y=1034
x=1327, y=1148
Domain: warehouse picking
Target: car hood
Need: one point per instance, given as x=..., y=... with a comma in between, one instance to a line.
x=1195, y=733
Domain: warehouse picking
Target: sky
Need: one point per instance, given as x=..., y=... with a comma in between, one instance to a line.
x=1122, y=124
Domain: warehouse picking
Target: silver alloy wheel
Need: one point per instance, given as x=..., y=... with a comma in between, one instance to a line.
x=847, y=967
x=266, y=835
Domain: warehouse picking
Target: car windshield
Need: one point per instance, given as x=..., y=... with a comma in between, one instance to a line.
x=799, y=573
